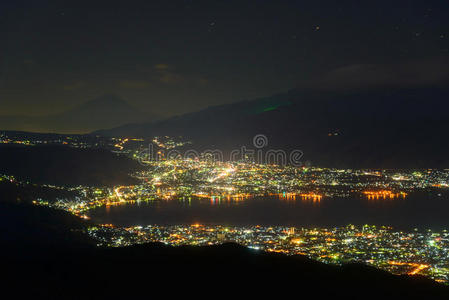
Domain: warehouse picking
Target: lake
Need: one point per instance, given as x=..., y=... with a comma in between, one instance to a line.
x=421, y=210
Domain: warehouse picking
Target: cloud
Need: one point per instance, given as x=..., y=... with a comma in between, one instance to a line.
x=161, y=67
x=169, y=77
x=134, y=84
x=362, y=76
x=167, y=74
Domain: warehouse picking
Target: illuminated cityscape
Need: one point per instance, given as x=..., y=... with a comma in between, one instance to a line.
x=236, y=181
x=399, y=252
x=410, y=251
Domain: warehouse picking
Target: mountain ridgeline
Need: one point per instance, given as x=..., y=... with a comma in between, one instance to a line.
x=391, y=128
x=103, y=112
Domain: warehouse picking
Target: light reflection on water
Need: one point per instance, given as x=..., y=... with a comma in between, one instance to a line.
x=421, y=210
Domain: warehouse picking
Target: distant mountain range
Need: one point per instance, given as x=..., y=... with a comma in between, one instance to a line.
x=393, y=127
x=105, y=112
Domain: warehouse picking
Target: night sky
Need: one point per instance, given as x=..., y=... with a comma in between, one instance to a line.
x=171, y=57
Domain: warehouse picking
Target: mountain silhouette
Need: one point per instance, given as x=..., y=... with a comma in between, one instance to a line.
x=103, y=112
x=394, y=127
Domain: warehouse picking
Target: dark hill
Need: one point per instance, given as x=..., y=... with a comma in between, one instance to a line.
x=66, y=166
x=228, y=270
x=391, y=128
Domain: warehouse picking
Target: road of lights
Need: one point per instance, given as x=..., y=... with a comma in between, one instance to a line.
x=417, y=268
x=414, y=253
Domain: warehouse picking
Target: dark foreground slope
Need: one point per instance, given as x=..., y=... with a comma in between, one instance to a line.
x=44, y=258
x=229, y=269
x=154, y=269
